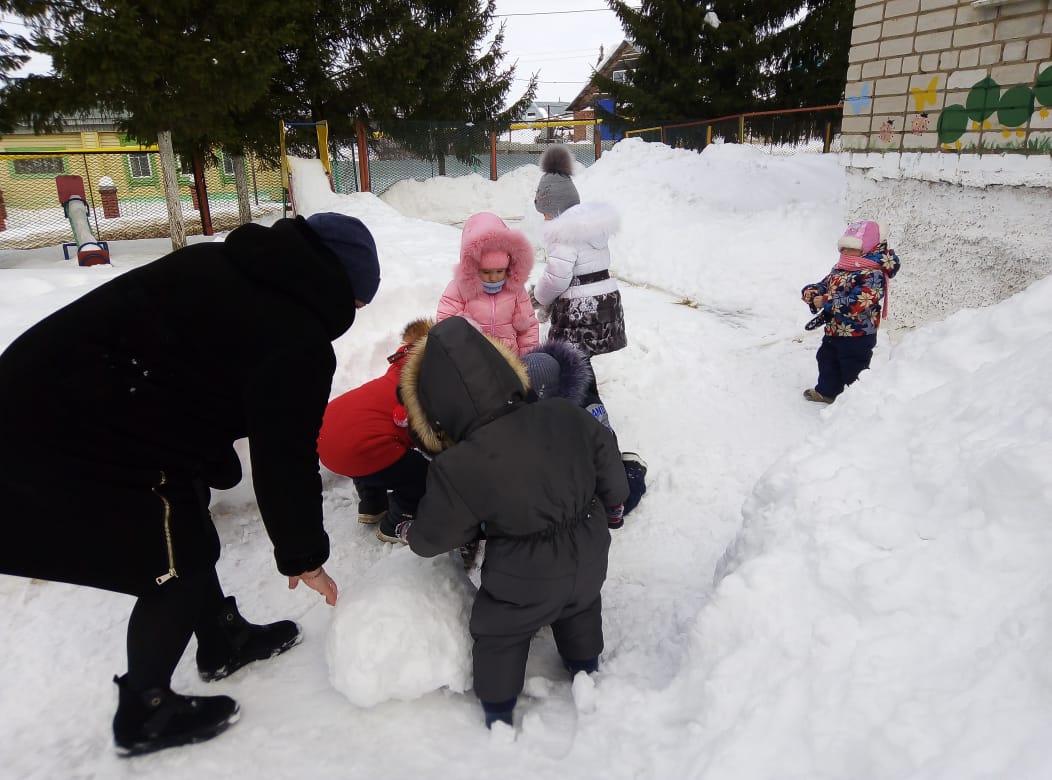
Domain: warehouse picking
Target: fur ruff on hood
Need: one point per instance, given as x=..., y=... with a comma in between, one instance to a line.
x=486, y=232
x=427, y=433
x=575, y=373
x=585, y=222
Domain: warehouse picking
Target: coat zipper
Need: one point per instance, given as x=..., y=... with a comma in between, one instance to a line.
x=167, y=534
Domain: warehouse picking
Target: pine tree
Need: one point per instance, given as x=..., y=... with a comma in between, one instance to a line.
x=402, y=66
x=808, y=58
x=669, y=82
x=763, y=54
x=187, y=66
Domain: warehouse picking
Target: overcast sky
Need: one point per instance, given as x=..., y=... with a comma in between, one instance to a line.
x=559, y=40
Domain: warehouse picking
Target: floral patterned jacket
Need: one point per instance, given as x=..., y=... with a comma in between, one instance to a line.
x=853, y=298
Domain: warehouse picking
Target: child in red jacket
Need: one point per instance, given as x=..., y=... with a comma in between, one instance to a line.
x=364, y=435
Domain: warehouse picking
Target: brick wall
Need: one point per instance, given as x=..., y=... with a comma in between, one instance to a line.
x=947, y=75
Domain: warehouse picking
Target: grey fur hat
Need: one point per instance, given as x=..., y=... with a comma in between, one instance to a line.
x=556, y=191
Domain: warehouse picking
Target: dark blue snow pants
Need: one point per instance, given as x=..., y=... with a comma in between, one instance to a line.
x=840, y=360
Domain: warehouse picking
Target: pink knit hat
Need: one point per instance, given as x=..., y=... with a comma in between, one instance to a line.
x=494, y=260
x=865, y=236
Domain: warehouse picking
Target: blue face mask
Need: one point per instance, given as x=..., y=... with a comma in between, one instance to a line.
x=493, y=287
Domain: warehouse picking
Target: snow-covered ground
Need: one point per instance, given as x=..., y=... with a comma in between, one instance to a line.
x=855, y=591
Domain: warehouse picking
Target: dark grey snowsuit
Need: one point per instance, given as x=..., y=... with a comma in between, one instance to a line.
x=534, y=478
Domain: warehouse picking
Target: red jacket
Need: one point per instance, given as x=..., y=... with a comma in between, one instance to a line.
x=360, y=433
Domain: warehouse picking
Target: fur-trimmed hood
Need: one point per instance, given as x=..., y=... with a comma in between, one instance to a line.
x=486, y=232
x=590, y=222
x=457, y=379
x=575, y=373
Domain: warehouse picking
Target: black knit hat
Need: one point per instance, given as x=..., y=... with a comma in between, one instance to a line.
x=354, y=247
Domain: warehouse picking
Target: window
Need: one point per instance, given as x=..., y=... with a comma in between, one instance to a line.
x=139, y=165
x=620, y=76
x=186, y=165
x=39, y=165
x=228, y=164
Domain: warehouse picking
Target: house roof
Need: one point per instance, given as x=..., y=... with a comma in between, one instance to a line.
x=623, y=52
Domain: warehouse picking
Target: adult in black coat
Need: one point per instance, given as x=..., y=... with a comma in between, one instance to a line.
x=119, y=412
x=534, y=478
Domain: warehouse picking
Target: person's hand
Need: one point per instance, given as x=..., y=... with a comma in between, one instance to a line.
x=544, y=313
x=402, y=531
x=818, y=301
x=615, y=516
x=808, y=295
x=319, y=582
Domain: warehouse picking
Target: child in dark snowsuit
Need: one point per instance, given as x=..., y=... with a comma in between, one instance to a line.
x=557, y=369
x=849, y=299
x=536, y=478
x=364, y=435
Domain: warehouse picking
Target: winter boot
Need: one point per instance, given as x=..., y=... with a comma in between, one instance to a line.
x=499, y=711
x=636, y=474
x=387, y=529
x=231, y=642
x=588, y=665
x=371, y=519
x=813, y=395
x=160, y=718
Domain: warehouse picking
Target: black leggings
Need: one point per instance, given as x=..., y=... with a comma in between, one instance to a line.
x=161, y=624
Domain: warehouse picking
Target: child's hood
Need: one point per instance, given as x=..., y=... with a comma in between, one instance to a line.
x=485, y=232
x=575, y=374
x=457, y=379
x=591, y=222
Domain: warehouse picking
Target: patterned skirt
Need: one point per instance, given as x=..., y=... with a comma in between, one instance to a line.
x=595, y=324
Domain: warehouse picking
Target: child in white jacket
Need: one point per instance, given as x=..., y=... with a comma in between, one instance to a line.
x=576, y=290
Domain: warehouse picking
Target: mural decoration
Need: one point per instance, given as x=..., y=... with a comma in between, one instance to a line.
x=985, y=102
x=920, y=124
x=922, y=98
x=862, y=101
x=887, y=131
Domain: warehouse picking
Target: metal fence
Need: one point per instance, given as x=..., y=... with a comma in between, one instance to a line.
x=124, y=195
x=789, y=131
x=423, y=150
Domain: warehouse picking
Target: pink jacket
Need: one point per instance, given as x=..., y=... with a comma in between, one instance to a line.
x=507, y=315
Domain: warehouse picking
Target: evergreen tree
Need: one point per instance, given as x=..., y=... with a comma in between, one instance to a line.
x=399, y=66
x=192, y=67
x=763, y=54
x=808, y=58
x=12, y=57
x=687, y=67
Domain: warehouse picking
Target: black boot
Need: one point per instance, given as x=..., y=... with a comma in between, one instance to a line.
x=159, y=718
x=228, y=642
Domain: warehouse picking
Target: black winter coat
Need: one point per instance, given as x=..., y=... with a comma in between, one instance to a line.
x=151, y=378
x=526, y=474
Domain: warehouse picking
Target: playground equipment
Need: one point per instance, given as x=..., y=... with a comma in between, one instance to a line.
x=75, y=206
x=322, y=129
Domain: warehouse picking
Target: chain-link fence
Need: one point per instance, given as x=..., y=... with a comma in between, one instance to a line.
x=411, y=150
x=777, y=132
x=124, y=194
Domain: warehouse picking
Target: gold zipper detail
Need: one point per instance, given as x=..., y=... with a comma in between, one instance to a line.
x=167, y=534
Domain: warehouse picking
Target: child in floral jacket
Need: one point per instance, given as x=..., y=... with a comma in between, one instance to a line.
x=850, y=300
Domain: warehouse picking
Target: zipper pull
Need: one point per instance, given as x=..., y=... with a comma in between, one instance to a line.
x=165, y=577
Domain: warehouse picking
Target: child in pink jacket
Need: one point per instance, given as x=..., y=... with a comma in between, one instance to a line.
x=489, y=283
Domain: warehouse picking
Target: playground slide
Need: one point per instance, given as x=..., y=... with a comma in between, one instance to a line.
x=75, y=205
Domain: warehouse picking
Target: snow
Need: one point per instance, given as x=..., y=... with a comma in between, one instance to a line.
x=857, y=591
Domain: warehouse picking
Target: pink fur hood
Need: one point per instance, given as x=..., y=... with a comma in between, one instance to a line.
x=486, y=232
